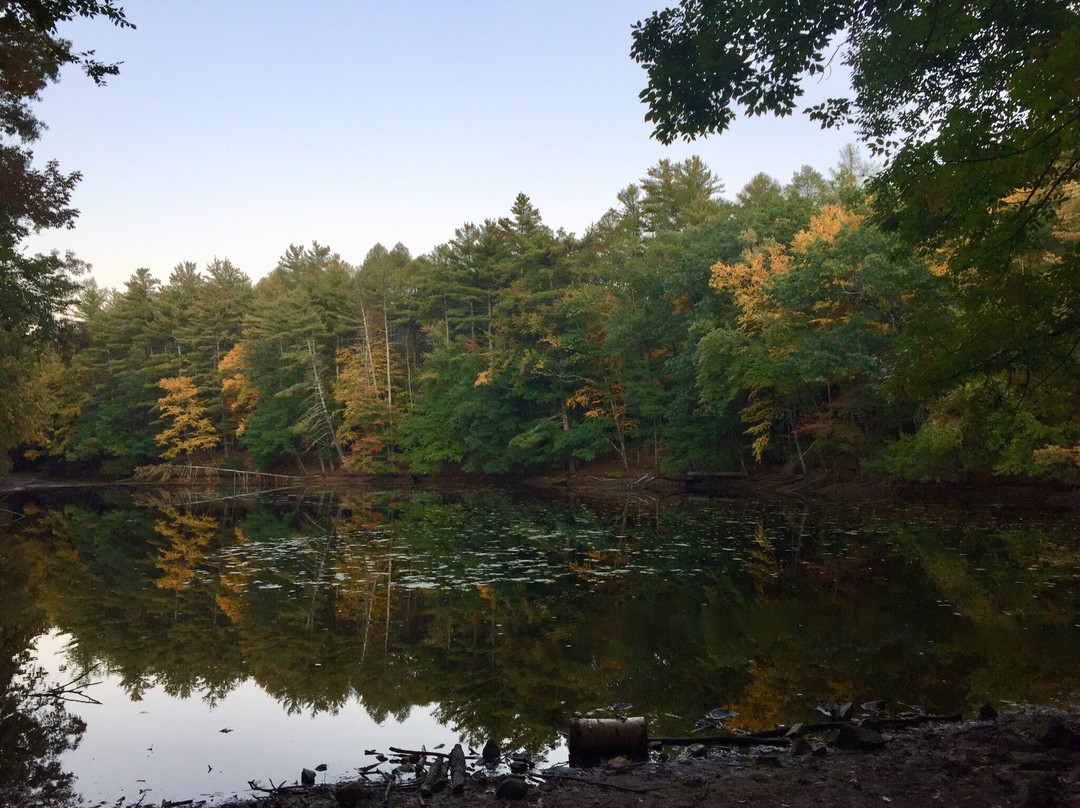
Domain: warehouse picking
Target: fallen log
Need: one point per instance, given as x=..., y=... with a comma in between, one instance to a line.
x=593, y=740
x=436, y=777
x=725, y=740
x=899, y=722
x=411, y=752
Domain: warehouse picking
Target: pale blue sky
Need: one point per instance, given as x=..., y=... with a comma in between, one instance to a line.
x=237, y=127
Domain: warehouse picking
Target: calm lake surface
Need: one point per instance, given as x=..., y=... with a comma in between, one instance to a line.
x=245, y=638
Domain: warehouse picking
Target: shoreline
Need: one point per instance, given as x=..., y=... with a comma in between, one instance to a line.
x=853, y=490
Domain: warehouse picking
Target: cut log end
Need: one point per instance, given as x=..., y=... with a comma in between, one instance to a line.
x=594, y=740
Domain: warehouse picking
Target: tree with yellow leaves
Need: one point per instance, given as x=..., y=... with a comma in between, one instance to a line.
x=366, y=414
x=237, y=389
x=815, y=322
x=190, y=430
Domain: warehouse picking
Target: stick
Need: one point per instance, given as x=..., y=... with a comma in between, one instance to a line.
x=723, y=740
x=386, y=796
x=601, y=783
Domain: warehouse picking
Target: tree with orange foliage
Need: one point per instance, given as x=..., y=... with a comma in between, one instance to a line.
x=366, y=414
x=815, y=322
x=190, y=430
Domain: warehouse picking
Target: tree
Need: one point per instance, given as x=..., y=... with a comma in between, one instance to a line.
x=35, y=290
x=968, y=101
x=678, y=195
x=811, y=343
x=130, y=350
x=190, y=430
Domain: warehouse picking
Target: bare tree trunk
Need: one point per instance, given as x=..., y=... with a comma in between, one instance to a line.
x=323, y=409
x=386, y=341
x=491, y=344
x=367, y=348
x=564, y=412
x=798, y=448
x=621, y=448
x=389, y=584
x=408, y=366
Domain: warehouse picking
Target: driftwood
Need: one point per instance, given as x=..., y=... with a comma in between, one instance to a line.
x=436, y=777
x=421, y=753
x=457, y=768
x=899, y=722
x=386, y=794
x=770, y=739
x=281, y=788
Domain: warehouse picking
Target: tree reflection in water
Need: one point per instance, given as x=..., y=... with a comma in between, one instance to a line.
x=35, y=726
x=502, y=613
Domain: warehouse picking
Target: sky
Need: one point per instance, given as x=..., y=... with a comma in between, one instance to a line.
x=238, y=128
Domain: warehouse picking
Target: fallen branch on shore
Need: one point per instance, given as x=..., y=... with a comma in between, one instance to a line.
x=427, y=752
x=898, y=722
x=601, y=783
x=725, y=740
x=281, y=788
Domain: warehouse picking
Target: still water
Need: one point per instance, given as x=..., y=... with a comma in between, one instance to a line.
x=222, y=639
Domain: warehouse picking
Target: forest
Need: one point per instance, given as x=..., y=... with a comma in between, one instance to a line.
x=912, y=313
x=683, y=332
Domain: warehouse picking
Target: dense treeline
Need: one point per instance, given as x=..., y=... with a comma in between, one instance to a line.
x=683, y=331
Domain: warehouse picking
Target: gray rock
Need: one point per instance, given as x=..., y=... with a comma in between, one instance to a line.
x=519, y=766
x=490, y=753
x=307, y=777
x=801, y=746
x=857, y=738
x=836, y=712
x=349, y=795
x=986, y=713
x=1054, y=734
x=698, y=750
x=512, y=788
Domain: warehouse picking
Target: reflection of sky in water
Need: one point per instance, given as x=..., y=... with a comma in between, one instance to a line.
x=165, y=744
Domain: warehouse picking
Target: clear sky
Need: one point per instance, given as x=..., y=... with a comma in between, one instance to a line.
x=239, y=127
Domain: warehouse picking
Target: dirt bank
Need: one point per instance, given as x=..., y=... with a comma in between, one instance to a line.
x=1027, y=758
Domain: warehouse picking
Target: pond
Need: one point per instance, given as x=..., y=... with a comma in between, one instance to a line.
x=217, y=638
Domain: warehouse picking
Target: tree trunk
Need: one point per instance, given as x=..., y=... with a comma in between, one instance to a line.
x=386, y=342
x=367, y=348
x=564, y=412
x=322, y=405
